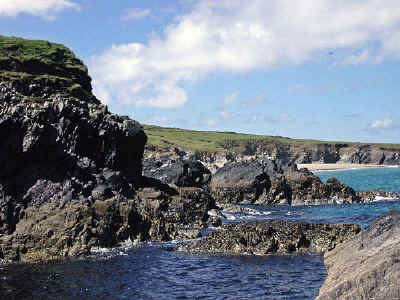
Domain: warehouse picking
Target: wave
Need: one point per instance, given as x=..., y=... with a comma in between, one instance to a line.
x=381, y=198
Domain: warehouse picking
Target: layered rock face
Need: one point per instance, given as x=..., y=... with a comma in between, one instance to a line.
x=70, y=171
x=273, y=237
x=367, y=266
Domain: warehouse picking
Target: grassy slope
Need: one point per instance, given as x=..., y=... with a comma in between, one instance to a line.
x=36, y=61
x=25, y=50
x=220, y=141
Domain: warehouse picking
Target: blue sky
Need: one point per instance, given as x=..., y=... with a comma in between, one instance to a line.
x=324, y=69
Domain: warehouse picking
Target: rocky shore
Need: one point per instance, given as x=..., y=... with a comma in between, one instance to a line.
x=74, y=176
x=273, y=237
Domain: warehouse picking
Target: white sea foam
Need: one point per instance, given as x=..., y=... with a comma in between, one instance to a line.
x=381, y=198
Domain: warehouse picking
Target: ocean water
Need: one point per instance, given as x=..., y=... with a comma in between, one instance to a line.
x=154, y=271
x=387, y=179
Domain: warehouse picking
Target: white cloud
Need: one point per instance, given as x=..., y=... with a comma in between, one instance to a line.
x=382, y=124
x=42, y=8
x=136, y=14
x=232, y=97
x=240, y=36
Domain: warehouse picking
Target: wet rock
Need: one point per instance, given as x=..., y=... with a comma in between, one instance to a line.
x=367, y=266
x=271, y=237
x=376, y=195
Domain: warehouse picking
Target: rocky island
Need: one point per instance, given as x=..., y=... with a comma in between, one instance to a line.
x=74, y=176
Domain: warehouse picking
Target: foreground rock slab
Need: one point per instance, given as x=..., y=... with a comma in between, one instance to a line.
x=368, y=266
x=273, y=237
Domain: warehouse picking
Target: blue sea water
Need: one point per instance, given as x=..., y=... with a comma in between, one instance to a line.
x=153, y=271
x=387, y=179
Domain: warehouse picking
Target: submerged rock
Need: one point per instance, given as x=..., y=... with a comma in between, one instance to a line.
x=367, y=266
x=275, y=236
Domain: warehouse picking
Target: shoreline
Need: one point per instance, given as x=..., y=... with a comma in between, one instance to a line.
x=341, y=167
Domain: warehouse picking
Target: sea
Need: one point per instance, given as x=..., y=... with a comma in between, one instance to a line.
x=156, y=271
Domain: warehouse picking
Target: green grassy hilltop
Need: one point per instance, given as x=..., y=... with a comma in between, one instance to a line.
x=44, y=63
x=231, y=141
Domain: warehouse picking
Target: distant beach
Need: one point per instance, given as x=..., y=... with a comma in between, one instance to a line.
x=340, y=166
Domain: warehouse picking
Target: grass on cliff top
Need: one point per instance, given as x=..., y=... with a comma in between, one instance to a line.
x=49, y=53
x=222, y=141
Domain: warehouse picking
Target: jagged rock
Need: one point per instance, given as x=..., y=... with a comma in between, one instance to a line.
x=183, y=173
x=62, y=149
x=249, y=181
x=311, y=190
x=367, y=266
x=271, y=182
x=275, y=236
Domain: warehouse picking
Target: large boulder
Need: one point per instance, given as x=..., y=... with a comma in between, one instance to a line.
x=182, y=173
x=367, y=266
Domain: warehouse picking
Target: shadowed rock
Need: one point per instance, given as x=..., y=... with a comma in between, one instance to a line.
x=367, y=266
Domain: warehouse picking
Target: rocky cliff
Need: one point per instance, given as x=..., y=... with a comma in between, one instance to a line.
x=71, y=171
x=367, y=266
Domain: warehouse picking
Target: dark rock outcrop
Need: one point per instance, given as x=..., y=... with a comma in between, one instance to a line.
x=271, y=182
x=367, y=266
x=71, y=171
x=272, y=237
x=182, y=173
x=258, y=180
x=60, y=149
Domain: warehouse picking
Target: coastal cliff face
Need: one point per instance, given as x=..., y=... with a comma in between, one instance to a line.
x=294, y=152
x=367, y=266
x=71, y=171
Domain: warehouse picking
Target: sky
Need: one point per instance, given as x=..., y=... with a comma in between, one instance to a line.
x=313, y=69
